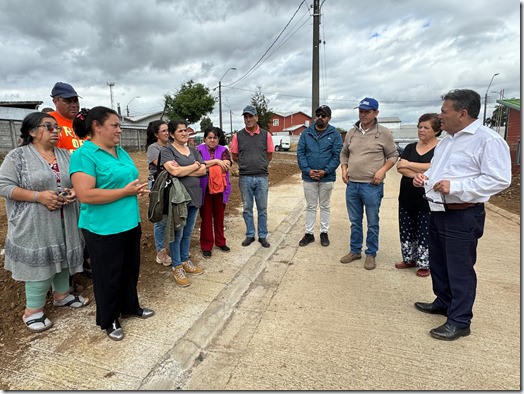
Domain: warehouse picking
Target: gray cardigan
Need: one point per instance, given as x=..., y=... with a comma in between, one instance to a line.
x=39, y=243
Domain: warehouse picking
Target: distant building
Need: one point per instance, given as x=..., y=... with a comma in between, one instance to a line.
x=11, y=115
x=289, y=124
x=391, y=123
x=512, y=132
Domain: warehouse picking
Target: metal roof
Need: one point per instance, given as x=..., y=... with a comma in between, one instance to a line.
x=513, y=103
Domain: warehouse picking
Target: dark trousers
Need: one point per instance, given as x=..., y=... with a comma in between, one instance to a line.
x=212, y=215
x=115, y=260
x=453, y=240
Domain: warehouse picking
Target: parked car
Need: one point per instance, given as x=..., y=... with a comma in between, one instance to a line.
x=281, y=142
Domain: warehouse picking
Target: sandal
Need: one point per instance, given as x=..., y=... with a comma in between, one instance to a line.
x=422, y=272
x=37, y=322
x=73, y=301
x=403, y=265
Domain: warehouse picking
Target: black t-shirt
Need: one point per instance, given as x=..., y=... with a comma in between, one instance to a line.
x=410, y=197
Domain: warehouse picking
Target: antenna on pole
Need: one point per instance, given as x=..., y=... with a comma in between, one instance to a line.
x=111, y=84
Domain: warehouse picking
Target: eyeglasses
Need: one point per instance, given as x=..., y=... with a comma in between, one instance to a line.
x=50, y=126
x=425, y=197
x=321, y=116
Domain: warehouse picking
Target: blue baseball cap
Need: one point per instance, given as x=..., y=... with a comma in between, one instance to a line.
x=249, y=110
x=368, y=104
x=63, y=90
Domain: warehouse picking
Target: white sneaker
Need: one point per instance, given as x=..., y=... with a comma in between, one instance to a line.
x=163, y=258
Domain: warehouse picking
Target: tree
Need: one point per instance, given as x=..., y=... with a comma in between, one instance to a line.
x=499, y=117
x=191, y=102
x=265, y=115
x=206, y=123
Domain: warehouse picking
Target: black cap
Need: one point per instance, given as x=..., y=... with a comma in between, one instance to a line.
x=324, y=109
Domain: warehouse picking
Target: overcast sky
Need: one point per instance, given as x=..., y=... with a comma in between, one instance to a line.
x=404, y=53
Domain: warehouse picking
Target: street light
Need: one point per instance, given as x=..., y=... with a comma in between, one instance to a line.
x=486, y=97
x=220, y=95
x=127, y=106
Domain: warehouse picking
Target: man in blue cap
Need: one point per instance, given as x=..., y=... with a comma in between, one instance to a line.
x=252, y=148
x=65, y=99
x=367, y=154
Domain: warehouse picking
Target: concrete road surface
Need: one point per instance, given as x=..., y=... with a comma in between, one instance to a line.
x=295, y=318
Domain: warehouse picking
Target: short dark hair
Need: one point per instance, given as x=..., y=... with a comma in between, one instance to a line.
x=464, y=99
x=83, y=121
x=434, y=122
x=218, y=133
x=30, y=122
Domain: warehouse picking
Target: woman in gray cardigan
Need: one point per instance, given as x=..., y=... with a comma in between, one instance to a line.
x=43, y=243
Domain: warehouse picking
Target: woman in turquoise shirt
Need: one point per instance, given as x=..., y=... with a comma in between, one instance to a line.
x=106, y=183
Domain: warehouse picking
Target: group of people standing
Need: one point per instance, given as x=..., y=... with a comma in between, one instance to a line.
x=443, y=189
x=61, y=201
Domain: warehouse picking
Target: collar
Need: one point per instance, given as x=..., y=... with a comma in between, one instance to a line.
x=256, y=131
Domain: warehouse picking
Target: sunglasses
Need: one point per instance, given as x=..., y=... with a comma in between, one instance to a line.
x=50, y=126
x=321, y=116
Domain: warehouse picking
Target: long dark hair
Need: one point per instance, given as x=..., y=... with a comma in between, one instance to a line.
x=152, y=131
x=83, y=122
x=30, y=122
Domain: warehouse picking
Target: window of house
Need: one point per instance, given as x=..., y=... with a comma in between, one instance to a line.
x=276, y=122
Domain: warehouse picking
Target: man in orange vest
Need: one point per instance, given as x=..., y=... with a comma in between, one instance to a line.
x=65, y=99
x=67, y=106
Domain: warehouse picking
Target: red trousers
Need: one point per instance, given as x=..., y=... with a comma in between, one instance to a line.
x=212, y=218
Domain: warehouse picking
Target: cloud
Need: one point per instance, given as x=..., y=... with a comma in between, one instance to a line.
x=405, y=53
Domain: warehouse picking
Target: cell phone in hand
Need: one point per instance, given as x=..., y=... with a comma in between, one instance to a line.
x=64, y=193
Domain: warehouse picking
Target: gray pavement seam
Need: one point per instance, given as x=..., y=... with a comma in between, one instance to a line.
x=174, y=368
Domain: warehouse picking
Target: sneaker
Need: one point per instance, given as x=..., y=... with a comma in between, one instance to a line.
x=324, y=240
x=224, y=248
x=192, y=269
x=348, y=258
x=163, y=258
x=307, y=239
x=370, y=264
x=206, y=254
x=180, y=276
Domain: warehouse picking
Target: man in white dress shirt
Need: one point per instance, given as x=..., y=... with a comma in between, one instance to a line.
x=470, y=164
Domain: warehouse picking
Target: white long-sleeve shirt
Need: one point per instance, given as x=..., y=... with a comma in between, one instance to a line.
x=476, y=161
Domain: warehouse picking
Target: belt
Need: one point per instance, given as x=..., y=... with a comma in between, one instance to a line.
x=462, y=205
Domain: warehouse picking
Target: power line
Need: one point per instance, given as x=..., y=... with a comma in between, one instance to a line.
x=271, y=46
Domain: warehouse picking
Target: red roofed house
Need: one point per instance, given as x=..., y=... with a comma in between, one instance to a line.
x=294, y=123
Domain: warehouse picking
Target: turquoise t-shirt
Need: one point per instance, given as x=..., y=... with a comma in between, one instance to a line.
x=110, y=172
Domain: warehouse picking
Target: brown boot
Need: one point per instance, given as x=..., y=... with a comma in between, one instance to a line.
x=370, y=264
x=348, y=258
x=180, y=276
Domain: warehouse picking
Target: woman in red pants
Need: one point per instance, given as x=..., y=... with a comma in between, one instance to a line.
x=216, y=189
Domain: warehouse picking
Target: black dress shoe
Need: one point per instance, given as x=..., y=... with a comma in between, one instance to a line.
x=429, y=307
x=248, y=241
x=115, y=332
x=142, y=313
x=264, y=242
x=449, y=332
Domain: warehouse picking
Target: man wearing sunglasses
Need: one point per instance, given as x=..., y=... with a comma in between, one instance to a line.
x=318, y=155
x=470, y=164
x=67, y=106
x=368, y=153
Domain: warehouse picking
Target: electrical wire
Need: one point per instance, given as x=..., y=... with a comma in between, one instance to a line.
x=262, y=57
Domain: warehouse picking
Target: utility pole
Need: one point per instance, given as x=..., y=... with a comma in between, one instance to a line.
x=220, y=96
x=111, y=84
x=315, y=94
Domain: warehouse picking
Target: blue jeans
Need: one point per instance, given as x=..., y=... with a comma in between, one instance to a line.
x=159, y=229
x=254, y=188
x=179, y=248
x=358, y=196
